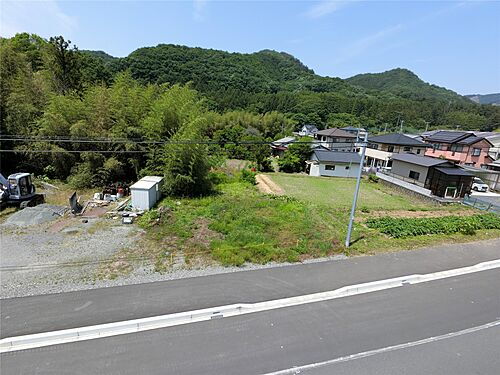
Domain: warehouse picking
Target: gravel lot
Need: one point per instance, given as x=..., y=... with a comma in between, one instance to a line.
x=65, y=255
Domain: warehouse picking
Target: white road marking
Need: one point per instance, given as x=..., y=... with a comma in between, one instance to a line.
x=299, y=369
x=163, y=321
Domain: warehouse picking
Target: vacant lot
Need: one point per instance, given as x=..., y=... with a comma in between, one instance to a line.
x=338, y=193
x=242, y=225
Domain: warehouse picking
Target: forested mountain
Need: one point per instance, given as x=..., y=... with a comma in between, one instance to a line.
x=61, y=97
x=405, y=83
x=485, y=99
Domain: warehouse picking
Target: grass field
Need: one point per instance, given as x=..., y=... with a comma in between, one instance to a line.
x=240, y=225
x=338, y=193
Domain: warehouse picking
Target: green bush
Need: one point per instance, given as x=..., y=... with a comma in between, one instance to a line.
x=248, y=175
x=407, y=227
x=373, y=178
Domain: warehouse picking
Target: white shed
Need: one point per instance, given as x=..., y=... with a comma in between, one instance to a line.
x=159, y=181
x=144, y=194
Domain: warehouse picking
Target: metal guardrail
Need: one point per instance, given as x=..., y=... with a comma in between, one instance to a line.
x=481, y=204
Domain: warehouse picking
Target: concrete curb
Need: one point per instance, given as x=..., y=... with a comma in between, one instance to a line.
x=163, y=321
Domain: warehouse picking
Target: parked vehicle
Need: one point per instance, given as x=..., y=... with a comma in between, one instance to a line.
x=18, y=190
x=479, y=185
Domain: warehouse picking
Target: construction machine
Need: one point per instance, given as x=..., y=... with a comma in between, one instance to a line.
x=18, y=190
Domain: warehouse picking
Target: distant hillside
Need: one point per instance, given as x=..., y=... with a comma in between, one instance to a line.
x=214, y=70
x=485, y=99
x=405, y=83
x=101, y=54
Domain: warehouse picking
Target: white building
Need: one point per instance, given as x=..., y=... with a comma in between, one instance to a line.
x=146, y=192
x=334, y=163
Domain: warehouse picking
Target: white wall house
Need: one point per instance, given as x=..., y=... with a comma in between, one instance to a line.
x=337, y=140
x=381, y=148
x=334, y=163
x=308, y=130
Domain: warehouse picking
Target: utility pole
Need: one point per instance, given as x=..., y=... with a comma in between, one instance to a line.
x=401, y=129
x=356, y=192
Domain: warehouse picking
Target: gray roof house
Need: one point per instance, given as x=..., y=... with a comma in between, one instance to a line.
x=440, y=177
x=334, y=163
x=381, y=148
x=308, y=130
x=336, y=139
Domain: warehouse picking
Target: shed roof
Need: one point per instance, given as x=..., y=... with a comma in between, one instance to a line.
x=450, y=171
x=424, y=161
x=338, y=156
x=396, y=139
x=152, y=178
x=143, y=185
x=335, y=132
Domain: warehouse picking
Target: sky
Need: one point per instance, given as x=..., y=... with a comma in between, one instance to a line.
x=455, y=44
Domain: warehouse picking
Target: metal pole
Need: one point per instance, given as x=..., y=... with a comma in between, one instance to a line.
x=356, y=192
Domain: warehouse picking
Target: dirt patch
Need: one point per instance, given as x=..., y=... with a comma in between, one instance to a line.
x=203, y=235
x=268, y=186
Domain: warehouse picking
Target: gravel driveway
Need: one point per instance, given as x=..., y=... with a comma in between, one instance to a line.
x=47, y=257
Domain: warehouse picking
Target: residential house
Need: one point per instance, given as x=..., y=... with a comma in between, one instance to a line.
x=440, y=177
x=279, y=146
x=381, y=148
x=334, y=163
x=337, y=140
x=460, y=147
x=356, y=131
x=308, y=130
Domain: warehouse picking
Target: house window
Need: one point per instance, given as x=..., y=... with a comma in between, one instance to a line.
x=418, y=151
x=407, y=149
x=457, y=148
x=330, y=167
x=414, y=175
x=390, y=148
x=476, y=151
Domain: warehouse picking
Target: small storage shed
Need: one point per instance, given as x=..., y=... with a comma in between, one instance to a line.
x=144, y=194
x=159, y=181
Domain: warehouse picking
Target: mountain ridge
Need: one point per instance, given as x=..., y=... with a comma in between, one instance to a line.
x=263, y=71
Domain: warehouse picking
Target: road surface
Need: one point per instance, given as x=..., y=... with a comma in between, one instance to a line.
x=375, y=333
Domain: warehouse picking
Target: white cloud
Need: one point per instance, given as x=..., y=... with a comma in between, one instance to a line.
x=360, y=46
x=40, y=17
x=199, y=9
x=325, y=7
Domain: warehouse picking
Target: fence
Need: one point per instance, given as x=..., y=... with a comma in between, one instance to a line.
x=482, y=204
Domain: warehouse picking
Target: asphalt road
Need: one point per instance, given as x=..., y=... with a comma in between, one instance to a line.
x=19, y=316
x=281, y=339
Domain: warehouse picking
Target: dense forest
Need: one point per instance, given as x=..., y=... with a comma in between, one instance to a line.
x=90, y=118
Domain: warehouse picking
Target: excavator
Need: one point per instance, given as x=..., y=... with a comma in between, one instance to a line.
x=19, y=190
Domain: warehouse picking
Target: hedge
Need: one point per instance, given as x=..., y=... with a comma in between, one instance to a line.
x=407, y=227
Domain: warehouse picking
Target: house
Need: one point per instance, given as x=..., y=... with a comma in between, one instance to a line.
x=381, y=148
x=279, y=146
x=459, y=147
x=356, y=131
x=337, y=139
x=334, y=163
x=441, y=177
x=308, y=130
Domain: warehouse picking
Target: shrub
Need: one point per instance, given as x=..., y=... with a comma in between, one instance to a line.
x=407, y=227
x=373, y=178
x=248, y=175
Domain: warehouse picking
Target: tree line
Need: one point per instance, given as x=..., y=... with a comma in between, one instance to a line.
x=95, y=119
